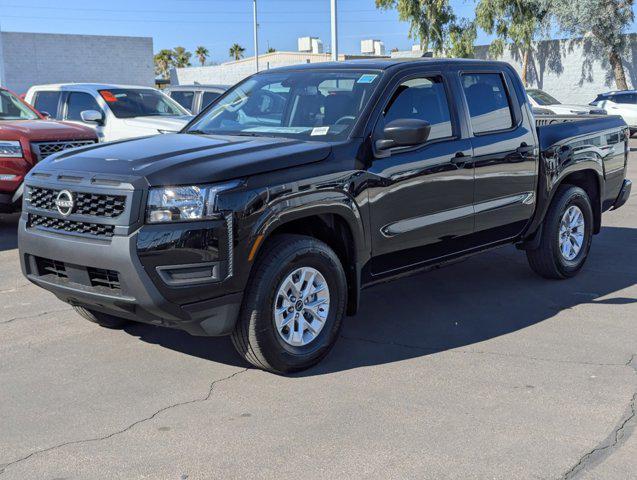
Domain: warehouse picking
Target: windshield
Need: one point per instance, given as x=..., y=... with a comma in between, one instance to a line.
x=303, y=104
x=542, y=98
x=143, y=102
x=13, y=109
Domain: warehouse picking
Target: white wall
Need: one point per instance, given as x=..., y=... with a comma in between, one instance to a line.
x=230, y=73
x=565, y=70
x=37, y=58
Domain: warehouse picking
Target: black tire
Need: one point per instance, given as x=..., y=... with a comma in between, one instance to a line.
x=103, y=319
x=547, y=260
x=256, y=337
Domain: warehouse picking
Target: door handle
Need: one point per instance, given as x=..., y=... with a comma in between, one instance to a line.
x=460, y=160
x=525, y=149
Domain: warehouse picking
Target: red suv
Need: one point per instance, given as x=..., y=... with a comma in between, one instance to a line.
x=26, y=137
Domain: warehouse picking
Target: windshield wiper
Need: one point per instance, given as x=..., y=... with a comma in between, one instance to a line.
x=197, y=132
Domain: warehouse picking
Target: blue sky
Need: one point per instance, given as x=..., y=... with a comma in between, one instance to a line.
x=217, y=24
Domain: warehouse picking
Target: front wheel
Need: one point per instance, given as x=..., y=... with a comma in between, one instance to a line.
x=293, y=306
x=567, y=232
x=103, y=319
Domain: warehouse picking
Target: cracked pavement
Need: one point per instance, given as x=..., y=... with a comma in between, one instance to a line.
x=477, y=370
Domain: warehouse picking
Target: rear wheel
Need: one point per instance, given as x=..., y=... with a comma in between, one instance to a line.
x=293, y=306
x=102, y=319
x=567, y=232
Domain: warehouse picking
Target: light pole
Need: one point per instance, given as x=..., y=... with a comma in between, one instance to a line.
x=1, y=60
x=334, y=33
x=256, y=35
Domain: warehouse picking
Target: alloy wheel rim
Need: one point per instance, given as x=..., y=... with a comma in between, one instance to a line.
x=571, y=234
x=301, y=306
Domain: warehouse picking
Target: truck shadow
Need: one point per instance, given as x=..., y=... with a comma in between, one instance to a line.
x=485, y=297
x=9, y=231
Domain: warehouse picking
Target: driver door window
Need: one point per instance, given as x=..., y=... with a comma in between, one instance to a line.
x=80, y=102
x=422, y=99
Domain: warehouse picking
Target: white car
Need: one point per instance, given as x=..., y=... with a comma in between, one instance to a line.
x=541, y=99
x=115, y=112
x=622, y=103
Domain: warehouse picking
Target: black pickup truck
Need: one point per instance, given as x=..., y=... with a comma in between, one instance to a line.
x=268, y=213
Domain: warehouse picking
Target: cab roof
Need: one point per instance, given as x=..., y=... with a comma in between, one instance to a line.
x=387, y=63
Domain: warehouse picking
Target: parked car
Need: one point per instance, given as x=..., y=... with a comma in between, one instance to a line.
x=195, y=97
x=301, y=185
x=115, y=112
x=541, y=99
x=26, y=137
x=622, y=103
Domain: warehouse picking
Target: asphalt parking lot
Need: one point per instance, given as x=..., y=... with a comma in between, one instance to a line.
x=477, y=370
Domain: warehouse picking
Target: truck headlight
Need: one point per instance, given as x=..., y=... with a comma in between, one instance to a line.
x=9, y=149
x=179, y=204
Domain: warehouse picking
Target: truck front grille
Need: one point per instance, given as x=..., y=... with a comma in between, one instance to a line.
x=44, y=149
x=51, y=267
x=97, y=205
x=100, y=277
x=97, y=278
x=70, y=226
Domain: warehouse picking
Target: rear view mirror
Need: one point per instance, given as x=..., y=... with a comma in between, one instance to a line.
x=404, y=132
x=92, y=116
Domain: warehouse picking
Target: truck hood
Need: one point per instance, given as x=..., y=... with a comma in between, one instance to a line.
x=43, y=130
x=169, y=124
x=187, y=158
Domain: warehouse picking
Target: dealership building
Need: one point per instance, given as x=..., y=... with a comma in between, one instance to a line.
x=28, y=59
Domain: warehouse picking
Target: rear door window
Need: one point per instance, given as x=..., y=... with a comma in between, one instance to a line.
x=488, y=102
x=47, y=102
x=184, y=98
x=79, y=102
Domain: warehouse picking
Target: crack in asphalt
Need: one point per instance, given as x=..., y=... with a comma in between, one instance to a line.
x=437, y=349
x=617, y=437
x=35, y=316
x=3, y=467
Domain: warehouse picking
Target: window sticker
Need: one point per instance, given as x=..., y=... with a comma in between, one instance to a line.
x=367, y=78
x=319, y=131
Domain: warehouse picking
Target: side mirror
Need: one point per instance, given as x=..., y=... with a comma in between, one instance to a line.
x=46, y=115
x=404, y=132
x=92, y=116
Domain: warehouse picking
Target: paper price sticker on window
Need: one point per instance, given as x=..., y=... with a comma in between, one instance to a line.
x=319, y=131
x=367, y=78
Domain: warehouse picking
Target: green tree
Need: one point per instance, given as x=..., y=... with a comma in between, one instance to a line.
x=181, y=57
x=601, y=24
x=236, y=51
x=164, y=59
x=271, y=50
x=515, y=21
x=429, y=20
x=202, y=54
x=462, y=36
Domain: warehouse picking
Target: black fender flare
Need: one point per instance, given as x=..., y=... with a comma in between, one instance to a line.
x=317, y=203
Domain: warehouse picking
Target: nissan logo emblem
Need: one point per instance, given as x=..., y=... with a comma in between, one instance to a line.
x=64, y=202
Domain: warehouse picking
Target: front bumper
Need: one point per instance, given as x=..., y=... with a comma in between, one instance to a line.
x=137, y=297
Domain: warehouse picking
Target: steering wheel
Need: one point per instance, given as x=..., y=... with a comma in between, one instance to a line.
x=351, y=118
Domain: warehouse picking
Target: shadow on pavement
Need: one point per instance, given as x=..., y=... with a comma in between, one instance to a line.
x=482, y=298
x=9, y=231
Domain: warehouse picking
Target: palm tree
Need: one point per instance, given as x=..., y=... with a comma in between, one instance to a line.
x=236, y=51
x=202, y=54
x=164, y=59
x=181, y=57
